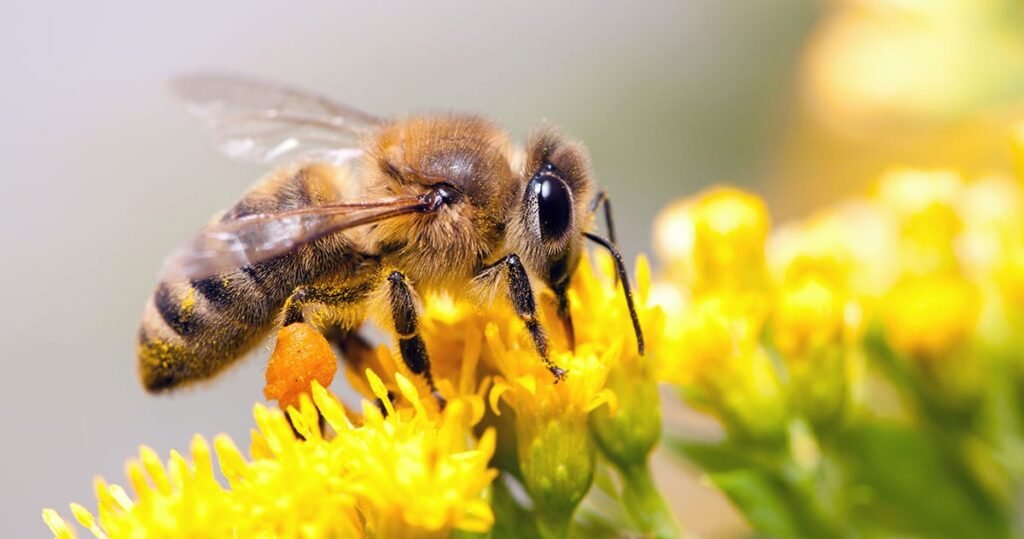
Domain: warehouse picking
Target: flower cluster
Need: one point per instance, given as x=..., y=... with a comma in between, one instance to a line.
x=404, y=466
x=922, y=263
x=895, y=319
x=365, y=479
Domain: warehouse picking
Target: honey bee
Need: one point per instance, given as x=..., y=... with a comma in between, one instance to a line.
x=364, y=215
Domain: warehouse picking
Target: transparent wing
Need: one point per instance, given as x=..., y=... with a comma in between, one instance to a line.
x=267, y=123
x=226, y=246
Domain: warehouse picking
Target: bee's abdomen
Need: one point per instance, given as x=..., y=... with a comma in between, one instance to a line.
x=191, y=330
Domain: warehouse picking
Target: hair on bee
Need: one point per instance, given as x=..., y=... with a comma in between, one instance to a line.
x=366, y=215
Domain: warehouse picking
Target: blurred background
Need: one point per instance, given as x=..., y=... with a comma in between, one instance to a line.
x=800, y=101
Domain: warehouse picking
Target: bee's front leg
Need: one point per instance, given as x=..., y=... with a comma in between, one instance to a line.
x=410, y=344
x=520, y=293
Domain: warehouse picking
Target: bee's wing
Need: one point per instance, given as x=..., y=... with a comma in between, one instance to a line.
x=230, y=245
x=266, y=122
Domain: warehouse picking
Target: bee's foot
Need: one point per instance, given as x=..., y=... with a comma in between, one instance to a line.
x=441, y=401
x=558, y=372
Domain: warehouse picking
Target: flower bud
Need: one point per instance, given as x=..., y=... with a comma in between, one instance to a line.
x=931, y=321
x=729, y=372
x=730, y=231
x=926, y=206
x=557, y=461
x=555, y=451
x=629, y=436
x=928, y=317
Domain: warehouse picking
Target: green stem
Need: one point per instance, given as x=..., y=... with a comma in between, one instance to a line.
x=554, y=526
x=645, y=504
x=511, y=520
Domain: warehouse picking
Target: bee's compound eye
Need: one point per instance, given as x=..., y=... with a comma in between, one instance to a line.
x=554, y=206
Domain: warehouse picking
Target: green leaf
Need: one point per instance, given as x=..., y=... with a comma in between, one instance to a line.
x=710, y=457
x=759, y=482
x=910, y=484
x=763, y=501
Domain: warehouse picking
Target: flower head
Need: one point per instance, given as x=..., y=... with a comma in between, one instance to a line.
x=715, y=240
x=925, y=204
x=928, y=317
x=406, y=465
x=368, y=478
x=555, y=452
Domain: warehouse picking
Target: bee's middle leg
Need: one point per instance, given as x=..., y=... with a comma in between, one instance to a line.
x=410, y=344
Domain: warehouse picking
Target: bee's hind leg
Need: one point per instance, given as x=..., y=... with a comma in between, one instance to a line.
x=325, y=295
x=410, y=344
x=520, y=292
x=357, y=352
x=352, y=346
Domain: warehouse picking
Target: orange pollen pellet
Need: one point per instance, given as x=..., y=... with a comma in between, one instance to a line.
x=300, y=356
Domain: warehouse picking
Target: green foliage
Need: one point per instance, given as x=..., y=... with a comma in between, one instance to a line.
x=886, y=480
x=911, y=484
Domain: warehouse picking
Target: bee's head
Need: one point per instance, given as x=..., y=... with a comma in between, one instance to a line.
x=547, y=228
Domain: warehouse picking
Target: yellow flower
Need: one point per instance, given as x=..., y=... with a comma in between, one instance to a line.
x=992, y=212
x=628, y=436
x=1011, y=279
x=934, y=321
x=957, y=241
x=992, y=245
x=702, y=338
x=555, y=452
x=527, y=385
x=453, y=333
x=714, y=287
x=926, y=204
x=714, y=240
x=816, y=327
x=808, y=316
x=853, y=243
x=731, y=228
x=486, y=354
x=928, y=317
x=820, y=289
x=366, y=479
x=712, y=337
x=722, y=368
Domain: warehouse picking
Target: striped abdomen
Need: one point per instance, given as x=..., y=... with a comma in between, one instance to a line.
x=191, y=330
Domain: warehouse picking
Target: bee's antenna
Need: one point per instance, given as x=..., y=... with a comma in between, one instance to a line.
x=609, y=224
x=624, y=277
